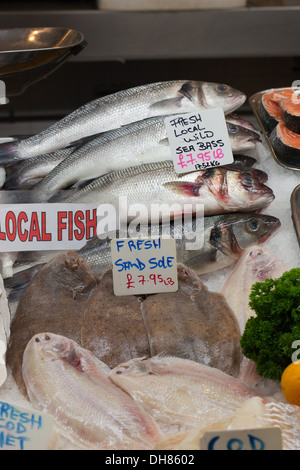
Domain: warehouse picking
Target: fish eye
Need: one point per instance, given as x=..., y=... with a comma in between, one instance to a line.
x=232, y=128
x=222, y=88
x=253, y=225
x=247, y=180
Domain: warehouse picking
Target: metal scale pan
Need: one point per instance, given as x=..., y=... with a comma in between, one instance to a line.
x=29, y=54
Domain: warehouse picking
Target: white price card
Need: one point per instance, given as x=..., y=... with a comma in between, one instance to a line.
x=243, y=439
x=144, y=265
x=199, y=140
x=24, y=429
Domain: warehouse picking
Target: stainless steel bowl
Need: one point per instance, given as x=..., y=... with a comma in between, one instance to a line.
x=30, y=54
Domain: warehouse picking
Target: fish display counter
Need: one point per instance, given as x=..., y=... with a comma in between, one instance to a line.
x=158, y=370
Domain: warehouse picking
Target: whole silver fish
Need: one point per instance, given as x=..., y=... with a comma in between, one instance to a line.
x=25, y=173
x=218, y=189
x=135, y=144
x=123, y=107
x=235, y=118
x=205, y=244
x=71, y=384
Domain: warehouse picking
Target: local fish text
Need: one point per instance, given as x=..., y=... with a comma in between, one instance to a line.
x=40, y=226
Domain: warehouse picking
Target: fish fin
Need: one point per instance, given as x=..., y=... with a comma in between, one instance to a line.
x=9, y=152
x=19, y=281
x=183, y=187
x=202, y=259
x=166, y=104
x=164, y=141
x=80, y=142
x=20, y=196
x=21, y=136
x=13, y=177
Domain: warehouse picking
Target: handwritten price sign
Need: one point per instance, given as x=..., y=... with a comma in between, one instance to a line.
x=243, y=439
x=144, y=265
x=199, y=141
x=24, y=429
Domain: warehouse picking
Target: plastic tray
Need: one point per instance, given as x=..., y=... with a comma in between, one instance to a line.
x=295, y=205
x=255, y=103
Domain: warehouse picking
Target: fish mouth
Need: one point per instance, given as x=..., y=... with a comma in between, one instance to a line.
x=235, y=101
x=271, y=228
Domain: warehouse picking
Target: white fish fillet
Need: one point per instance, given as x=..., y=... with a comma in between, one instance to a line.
x=70, y=383
x=181, y=394
x=255, y=265
x=253, y=414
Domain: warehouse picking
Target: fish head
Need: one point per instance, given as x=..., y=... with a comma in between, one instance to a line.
x=244, y=189
x=137, y=371
x=52, y=346
x=242, y=139
x=218, y=95
x=134, y=367
x=262, y=263
x=234, y=233
x=236, y=189
x=236, y=119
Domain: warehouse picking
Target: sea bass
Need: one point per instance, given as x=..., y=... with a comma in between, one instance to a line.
x=71, y=384
x=220, y=190
x=137, y=143
x=180, y=393
x=24, y=174
x=222, y=240
x=205, y=244
x=115, y=110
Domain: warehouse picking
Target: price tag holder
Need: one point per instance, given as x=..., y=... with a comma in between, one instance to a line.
x=24, y=429
x=144, y=265
x=245, y=439
x=199, y=140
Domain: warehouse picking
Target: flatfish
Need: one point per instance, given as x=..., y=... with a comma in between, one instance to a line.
x=192, y=323
x=71, y=384
x=54, y=301
x=181, y=393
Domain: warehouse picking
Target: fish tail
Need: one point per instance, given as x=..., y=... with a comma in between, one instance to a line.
x=22, y=196
x=13, y=178
x=9, y=152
